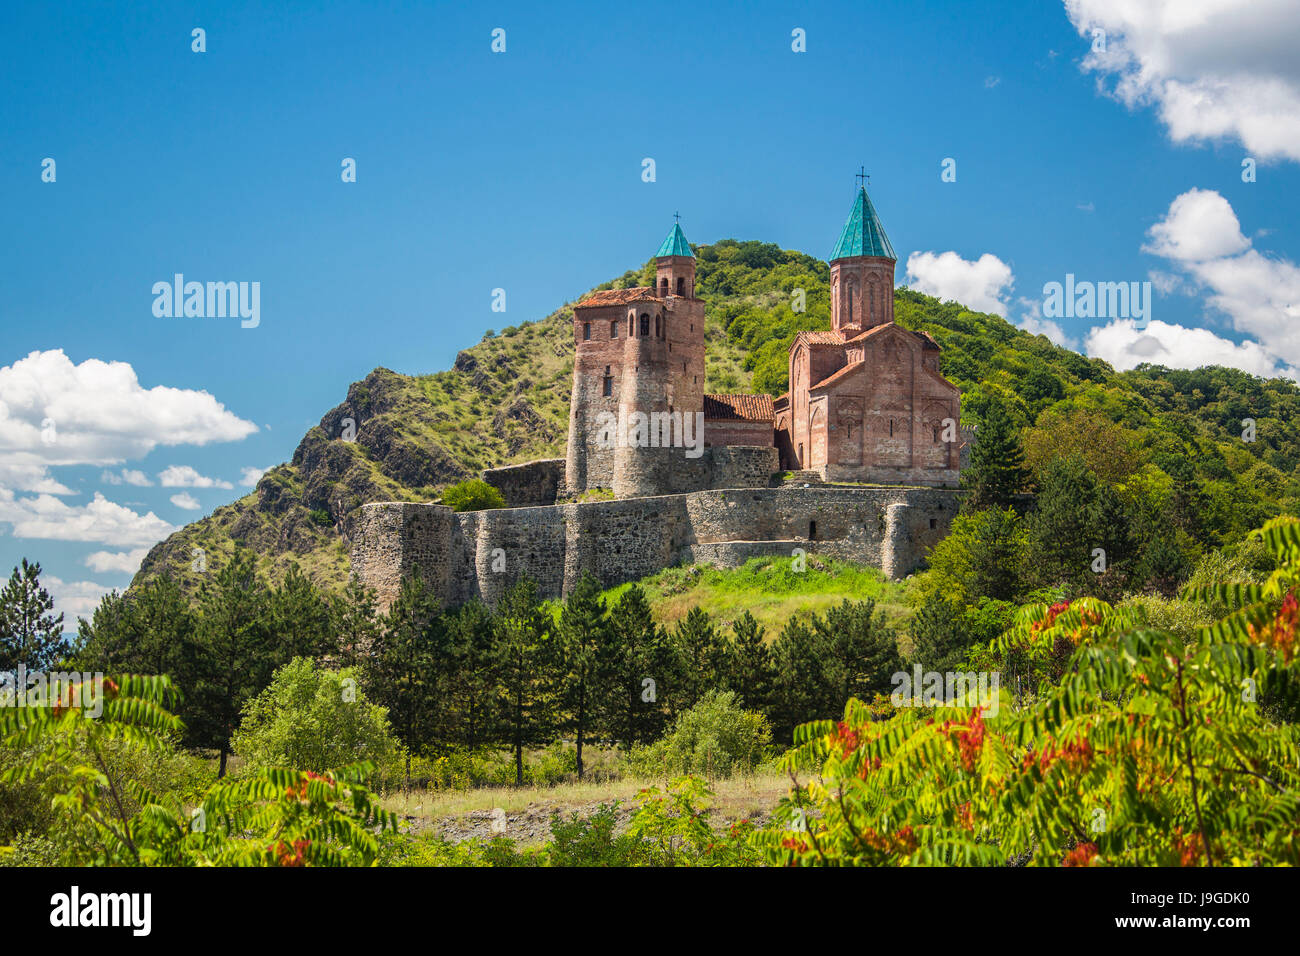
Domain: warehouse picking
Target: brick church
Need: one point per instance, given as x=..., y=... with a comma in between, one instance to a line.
x=866, y=401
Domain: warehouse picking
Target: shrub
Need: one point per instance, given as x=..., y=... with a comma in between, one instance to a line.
x=473, y=495
x=312, y=719
x=715, y=737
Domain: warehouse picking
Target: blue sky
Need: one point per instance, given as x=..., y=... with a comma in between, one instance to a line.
x=522, y=170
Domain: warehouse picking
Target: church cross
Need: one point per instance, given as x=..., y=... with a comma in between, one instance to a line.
x=677, y=217
x=862, y=176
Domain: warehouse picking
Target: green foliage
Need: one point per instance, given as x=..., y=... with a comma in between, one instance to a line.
x=312, y=719
x=673, y=827
x=1138, y=749
x=111, y=817
x=29, y=634
x=715, y=738
x=473, y=495
x=997, y=472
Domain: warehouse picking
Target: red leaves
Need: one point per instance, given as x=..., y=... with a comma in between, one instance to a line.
x=969, y=738
x=286, y=855
x=846, y=737
x=1076, y=756
x=1187, y=848
x=1081, y=855
x=1280, y=633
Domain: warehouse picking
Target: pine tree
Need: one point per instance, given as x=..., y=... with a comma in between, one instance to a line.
x=299, y=618
x=859, y=653
x=997, y=472
x=646, y=668
x=939, y=638
x=29, y=634
x=752, y=673
x=799, y=679
x=528, y=669
x=227, y=662
x=705, y=656
x=473, y=659
x=402, y=669
x=586, y=653
x=354, y=621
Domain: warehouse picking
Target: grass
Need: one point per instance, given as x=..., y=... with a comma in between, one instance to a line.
x=735, y=797
x=769, y=588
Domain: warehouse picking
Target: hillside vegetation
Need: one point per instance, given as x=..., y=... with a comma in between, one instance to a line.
x=1177, y=434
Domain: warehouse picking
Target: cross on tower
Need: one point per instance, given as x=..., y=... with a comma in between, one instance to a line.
x=862, y=176
x=677, y=217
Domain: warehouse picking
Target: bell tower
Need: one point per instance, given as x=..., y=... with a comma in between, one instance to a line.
x=675, y=265
x=862, y=271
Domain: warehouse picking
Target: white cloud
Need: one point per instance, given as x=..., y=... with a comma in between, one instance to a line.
x=982, y=285
x=99, y=520
x=128, y=476
x=73, y=599
x=1260, y=294
x=251, y=476
x=1199, y=225
x=31, y=477
x=183, y=476
x=185, y=500
x=127, y=562
x=1125, y=346
x=1213, y=69
x=55, y=413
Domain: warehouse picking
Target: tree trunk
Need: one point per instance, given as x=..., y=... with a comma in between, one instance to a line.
x=581, y=716
x=221, y=767
x=519, y=742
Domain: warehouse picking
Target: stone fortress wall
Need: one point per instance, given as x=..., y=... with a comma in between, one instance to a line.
x=481, y=554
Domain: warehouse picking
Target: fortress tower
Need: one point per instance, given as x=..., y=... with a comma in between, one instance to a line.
x=638, y=350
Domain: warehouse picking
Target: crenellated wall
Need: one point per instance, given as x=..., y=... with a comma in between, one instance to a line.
x=480, y=554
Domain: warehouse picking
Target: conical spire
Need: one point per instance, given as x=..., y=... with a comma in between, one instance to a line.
x=675, y=244
x=863, y=234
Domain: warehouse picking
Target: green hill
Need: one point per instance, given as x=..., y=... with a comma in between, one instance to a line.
x=505, y=400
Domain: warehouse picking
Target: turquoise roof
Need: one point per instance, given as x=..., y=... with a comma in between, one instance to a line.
x=675, y=244
x=863, y=234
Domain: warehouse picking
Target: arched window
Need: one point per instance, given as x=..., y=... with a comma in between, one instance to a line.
x=812, y=530
x=663, y=286
x=613, y=330
x=609, y=383
x=658, y=333
x=586, y=331
x=644, y=330
x=681, y=285
x=852, y=294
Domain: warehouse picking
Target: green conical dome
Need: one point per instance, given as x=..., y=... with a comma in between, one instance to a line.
x=675, y=244
x=863, y=234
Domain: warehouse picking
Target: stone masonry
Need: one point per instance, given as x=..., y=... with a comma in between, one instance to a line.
x=480, y=554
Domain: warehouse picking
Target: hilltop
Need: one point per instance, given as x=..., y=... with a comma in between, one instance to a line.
x=505, y=400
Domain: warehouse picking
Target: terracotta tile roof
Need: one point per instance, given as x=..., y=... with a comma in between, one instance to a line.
x=748, y=408
x=820, y=338
x=618, y=297
x=836, y=376
x=926, y=338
